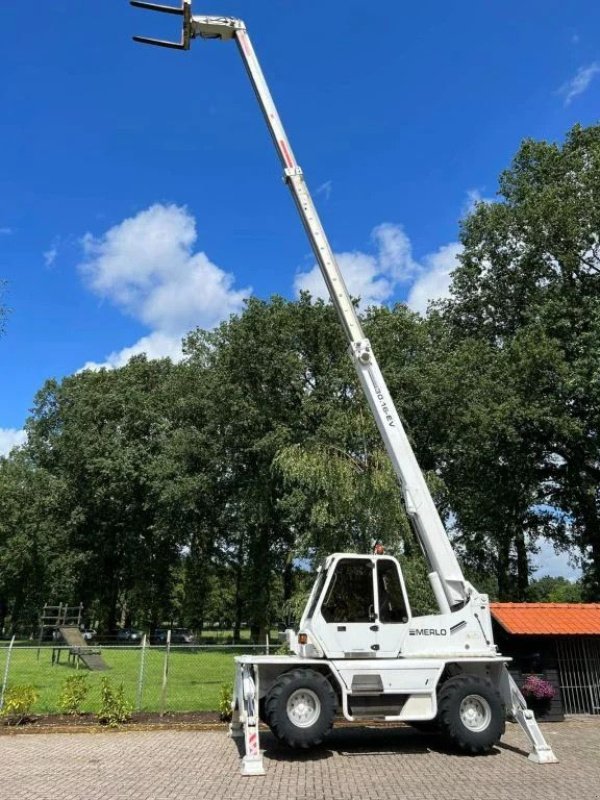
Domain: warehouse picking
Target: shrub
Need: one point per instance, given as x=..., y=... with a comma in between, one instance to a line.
x=73, y=694
x=18, y=701
x=225, y=699
x=537, y=688
x=115, y=709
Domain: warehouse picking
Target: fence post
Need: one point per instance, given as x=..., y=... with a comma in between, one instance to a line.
x=163, y=694
x=140, y=686
x=267, y=644
x=6, y=669
x=41, y=636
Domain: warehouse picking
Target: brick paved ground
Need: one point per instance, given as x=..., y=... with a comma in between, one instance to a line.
x=362, y=764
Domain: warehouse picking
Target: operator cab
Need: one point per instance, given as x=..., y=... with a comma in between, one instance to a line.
x=358, y=608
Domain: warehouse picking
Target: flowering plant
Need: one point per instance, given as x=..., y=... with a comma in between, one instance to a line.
x=537, y=687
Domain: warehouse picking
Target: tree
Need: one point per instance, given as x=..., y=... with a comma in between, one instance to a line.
x=266, y=375
x=341, y=488
x=457, y=398
x=34, y=557
x=101, y=434
x=529, y=286
x=554, y=590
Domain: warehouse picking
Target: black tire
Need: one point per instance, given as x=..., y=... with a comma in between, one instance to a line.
x=261, y=711
x=290, y=685
x=471, y=739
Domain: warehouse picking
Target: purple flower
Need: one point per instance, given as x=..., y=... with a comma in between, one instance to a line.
x=537, y=687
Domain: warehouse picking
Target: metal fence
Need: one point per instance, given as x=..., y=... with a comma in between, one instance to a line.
x=579, y=667
x=155, y=678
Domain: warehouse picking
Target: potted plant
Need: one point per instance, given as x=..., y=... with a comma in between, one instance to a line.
x=539, y=693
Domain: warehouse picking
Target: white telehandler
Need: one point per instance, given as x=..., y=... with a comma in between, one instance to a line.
x=359, y=652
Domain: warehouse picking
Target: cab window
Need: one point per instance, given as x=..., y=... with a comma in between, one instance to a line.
x=392, y=606
x=349, y=597
x=321, y=578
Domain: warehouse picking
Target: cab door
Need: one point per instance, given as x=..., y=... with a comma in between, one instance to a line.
x=346, y=622
x=393, y=613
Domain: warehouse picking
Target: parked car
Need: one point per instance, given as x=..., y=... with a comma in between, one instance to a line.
x=130, y=636
x=178, y=636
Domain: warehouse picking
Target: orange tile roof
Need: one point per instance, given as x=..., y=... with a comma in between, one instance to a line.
x=561, y=619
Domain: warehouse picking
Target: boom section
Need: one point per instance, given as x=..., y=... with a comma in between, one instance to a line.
x=419, y=504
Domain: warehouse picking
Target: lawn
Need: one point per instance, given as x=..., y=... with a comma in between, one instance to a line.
x=195, y=676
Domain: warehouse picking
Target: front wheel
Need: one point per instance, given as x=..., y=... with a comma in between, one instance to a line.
x=300, y=708
x=471, y=713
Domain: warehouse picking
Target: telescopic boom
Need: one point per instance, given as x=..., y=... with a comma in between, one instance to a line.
x=447, y=579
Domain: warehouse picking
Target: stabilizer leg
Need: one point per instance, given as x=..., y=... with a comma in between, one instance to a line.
x=236, y=726
x=542, y=752
x=252, y=762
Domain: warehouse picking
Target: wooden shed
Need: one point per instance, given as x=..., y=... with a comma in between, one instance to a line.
x=560, y=642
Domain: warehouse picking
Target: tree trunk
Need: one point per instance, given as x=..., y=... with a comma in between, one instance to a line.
x=591, y=538
x=522, y=565
x=503, y=569
x=288, y=579
x=237, y=623
x=3, y=613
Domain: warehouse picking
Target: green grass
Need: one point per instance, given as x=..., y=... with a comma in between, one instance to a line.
x=194, y=679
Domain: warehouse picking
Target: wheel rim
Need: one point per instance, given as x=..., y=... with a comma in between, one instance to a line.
x=303, y=708
x=475, y=713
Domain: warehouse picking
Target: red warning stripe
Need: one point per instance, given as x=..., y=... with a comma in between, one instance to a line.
x=286, y=154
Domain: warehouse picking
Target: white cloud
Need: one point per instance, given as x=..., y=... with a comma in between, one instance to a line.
x=375, y=278
x=147, y=266
x=474, y=197
x=155, y=345
x=433, y=281
x=50, y=256
x=10, y=438
x=372, y=278
x=395, y=251
x=579, y=83
x=5, y=231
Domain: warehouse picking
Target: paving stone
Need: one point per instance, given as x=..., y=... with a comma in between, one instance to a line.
x=356, y=764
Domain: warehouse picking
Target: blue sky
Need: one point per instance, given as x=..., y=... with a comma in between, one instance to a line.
x=139, y=194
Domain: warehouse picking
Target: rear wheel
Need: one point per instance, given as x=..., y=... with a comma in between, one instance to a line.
x=261, y=711
x=300, y=708
x=471, y=713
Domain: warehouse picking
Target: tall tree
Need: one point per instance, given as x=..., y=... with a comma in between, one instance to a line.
x=529, y=284
x=101, y=434
x=267, y=374
x=35, y=559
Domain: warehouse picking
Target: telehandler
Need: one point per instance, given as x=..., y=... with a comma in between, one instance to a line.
x=359, y=652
